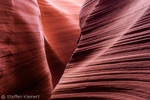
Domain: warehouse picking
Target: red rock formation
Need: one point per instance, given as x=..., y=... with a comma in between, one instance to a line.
x=112, y=59
x=23, y=65
x=60, y=22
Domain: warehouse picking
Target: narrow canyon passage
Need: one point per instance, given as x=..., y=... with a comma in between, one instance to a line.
x=74, y=50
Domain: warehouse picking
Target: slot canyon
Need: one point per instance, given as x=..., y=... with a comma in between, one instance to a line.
x=74, y=49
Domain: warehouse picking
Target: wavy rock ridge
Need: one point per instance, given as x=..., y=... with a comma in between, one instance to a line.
x=27, y=57
x=111, y=60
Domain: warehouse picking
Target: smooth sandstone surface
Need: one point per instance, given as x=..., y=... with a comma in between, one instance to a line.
x=101, y=47
x=37, y=38
x=60, y=19
x=112, y=60
x=23, y=65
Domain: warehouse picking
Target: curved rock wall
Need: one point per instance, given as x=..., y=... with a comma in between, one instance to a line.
x=112, y=59
x=60, y=20
x=27, y=57
x=23, y=64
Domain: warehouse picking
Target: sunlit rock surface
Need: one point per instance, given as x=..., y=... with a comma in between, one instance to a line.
x=112, y=60
x=60, y=19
